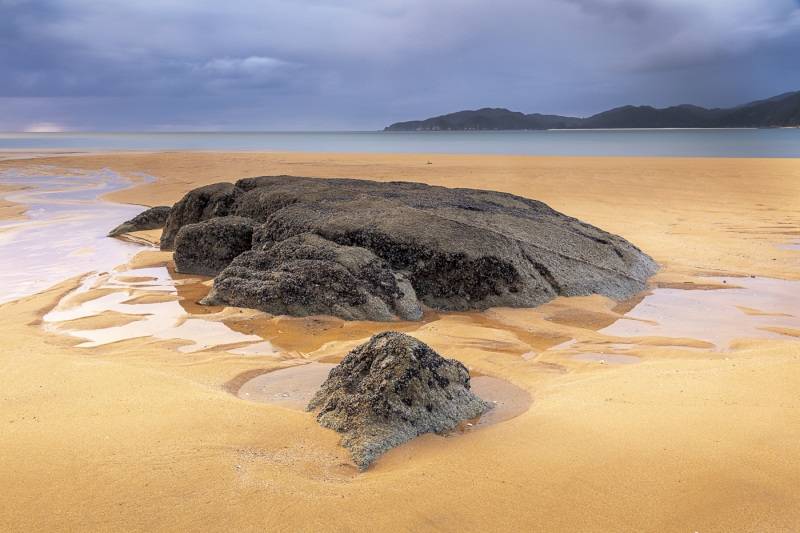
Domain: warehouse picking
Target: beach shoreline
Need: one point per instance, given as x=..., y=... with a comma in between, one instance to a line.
x=136, y=435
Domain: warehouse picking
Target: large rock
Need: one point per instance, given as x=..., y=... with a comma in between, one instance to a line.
x=153, y=218
x=208, y=247
x=458, y=248
x=308, y=275
x=203, y=203
x=390, y=390
x=461, y=248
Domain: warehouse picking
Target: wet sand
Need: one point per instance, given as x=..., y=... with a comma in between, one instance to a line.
x=140, y=435
x=11, y=210
x=57, y=227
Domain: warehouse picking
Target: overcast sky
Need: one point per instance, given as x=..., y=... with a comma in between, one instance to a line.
x=167, y=65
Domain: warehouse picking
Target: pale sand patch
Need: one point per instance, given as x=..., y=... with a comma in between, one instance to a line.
x=77, y=299
x=785, y=331
x=134, y=279
x=106, y=319
x=11, y=210
x=147, y=237
x=755, y=312
x=686, y=440
x=155, y=297
x=147, y=260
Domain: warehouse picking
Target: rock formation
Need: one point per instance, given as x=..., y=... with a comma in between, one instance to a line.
x=390, y=390
x=153, y=218
x=203, y=203
x=308, y=275
x=456, y=249
x=208, y=247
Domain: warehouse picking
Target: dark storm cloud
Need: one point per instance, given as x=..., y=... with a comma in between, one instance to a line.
x=306, y=64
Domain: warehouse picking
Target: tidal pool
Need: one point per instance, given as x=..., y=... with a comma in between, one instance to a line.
x=795, y=245
x=762, y=308
x=161, y=320
x=294, y=387
x=65, y=233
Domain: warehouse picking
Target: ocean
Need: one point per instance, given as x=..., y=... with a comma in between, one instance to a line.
x=750, y=143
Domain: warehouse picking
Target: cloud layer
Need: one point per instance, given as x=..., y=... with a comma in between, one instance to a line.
x=358, y=64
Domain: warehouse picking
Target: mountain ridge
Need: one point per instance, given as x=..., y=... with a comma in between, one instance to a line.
x=781, y=111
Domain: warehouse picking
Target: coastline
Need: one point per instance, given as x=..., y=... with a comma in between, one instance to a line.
x=691, y=215
x=134, y=435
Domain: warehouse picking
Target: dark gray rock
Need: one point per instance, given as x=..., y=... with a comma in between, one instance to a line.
x=307, y=275
x=208, y=247
x=458, y=248
x=153, y=218
x=390, y=390
x=203, y=203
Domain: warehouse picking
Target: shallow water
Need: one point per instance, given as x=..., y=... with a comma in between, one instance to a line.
x=713, y=316
x=509, y=401
x=164, y=320
x=716, y=316
x=294, y=387
x=65, y=235
x=795, y=245
x=288, y=387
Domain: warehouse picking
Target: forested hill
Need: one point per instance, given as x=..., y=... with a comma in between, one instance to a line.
x=776, y=112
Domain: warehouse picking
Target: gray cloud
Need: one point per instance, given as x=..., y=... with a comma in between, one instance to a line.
x=358, y=64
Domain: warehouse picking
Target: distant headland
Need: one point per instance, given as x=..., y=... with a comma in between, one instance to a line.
x=782, y=111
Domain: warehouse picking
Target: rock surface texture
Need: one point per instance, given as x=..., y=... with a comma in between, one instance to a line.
x=384, y=246
x=208, y=247
x=308, y=275
x=390, y=390
x=153, y=218
x=203, y=203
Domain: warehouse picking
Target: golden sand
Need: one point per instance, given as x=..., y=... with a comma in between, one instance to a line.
x=136, y=436
x=11, y=210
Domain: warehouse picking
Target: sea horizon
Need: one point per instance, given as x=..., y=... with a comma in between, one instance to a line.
x=688, y=142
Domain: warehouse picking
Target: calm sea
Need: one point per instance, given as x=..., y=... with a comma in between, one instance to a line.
x=667, y=143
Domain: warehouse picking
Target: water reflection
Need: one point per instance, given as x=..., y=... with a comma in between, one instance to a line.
x=795, y=245
x=65, y=233
x=120, y=294
x=764, y=308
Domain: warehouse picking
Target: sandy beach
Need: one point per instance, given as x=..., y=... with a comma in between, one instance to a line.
x=136, y=435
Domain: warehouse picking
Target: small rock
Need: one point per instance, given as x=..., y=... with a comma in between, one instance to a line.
x=153, y=218
x=390, y=390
